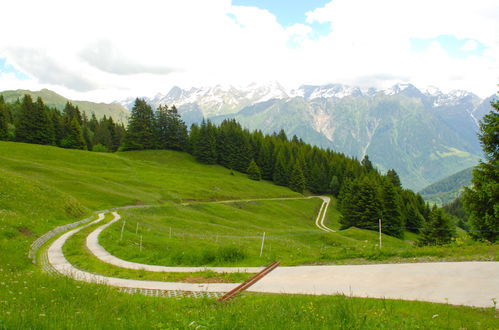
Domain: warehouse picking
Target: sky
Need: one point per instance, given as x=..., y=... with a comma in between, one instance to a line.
x=111, y=50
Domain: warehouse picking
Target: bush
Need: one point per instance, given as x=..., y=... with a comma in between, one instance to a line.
x=99, y=148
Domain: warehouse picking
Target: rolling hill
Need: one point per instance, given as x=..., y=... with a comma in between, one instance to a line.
x=42, y=187
x=52, y=99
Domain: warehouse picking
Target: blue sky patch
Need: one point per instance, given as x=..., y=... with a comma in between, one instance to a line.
x=7, y=68
x=287, y=12
x=456, y=48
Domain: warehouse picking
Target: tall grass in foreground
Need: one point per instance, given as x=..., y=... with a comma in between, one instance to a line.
x=30, y=300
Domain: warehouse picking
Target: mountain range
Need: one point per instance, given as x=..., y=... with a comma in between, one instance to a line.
x=424, y=134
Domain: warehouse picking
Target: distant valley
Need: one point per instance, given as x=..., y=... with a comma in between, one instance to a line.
x=425, y=135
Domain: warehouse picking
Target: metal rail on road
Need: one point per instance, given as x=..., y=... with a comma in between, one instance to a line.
x=245, y=285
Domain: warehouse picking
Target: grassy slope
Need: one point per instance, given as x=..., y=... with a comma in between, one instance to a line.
x=117, y=111
x=42, y=187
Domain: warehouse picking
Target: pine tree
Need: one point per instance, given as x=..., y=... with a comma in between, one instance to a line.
x=392, y=219
x=360, y=205
x=34, y=125
x=172, y=132
x=4, y=127
x=368, y=165
x=56, y=119
x=413, y=219
x=141, y=128
x=280, y=175
x=265, y=160
x=93, y=122
x=43, y=127
x=87, y=138
x=25, y=127
x=193, y=140
x=115, y=135
x=74, y=137
x=102, y=135
x=334, y=186
x=254, y=171
x=394, y=178
x=206, y=149
x=438, y=230
x=282, y=136
x=482, y=199
x=297, y=180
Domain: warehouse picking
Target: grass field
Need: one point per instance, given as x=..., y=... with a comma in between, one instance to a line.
x=43, y=187
x=78, y=255
x=230, y=234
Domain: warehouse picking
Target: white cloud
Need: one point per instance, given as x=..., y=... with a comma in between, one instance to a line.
x=106, y=50
x=469, y=45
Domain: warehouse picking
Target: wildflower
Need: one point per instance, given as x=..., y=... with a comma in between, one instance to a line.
x=42, y=315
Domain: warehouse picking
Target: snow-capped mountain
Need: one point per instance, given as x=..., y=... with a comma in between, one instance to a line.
x=217, y=100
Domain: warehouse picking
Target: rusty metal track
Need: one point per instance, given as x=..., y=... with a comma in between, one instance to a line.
x=245, y=285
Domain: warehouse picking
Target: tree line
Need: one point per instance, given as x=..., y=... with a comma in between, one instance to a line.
x=364, y=194
x=31, y=121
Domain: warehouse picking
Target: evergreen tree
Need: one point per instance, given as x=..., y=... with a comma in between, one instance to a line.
x=193, y=140
x=115, y=135
x=394, y=178
x=282, y=135
x=368, y=165
x=87, y=138
x=280, y=175
x=74, y=137
x=438, y=230
x=297, y=179
x=206, y=149
x=482, y=199
x=56, y=119
x=45, y=130
x=265, y=161
x=93, y=122
x=34, y=125
x=141, y=127
x=334, y=186
x=362, y=207
x=392, y=219
x=102, y=135
x=172, y=131
x=4, y=127
x=413, y=219
x=254, y=171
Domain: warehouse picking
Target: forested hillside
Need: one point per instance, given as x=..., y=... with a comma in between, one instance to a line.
x=365, y=195
x=448, y=189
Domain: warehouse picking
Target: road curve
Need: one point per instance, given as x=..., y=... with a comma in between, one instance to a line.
x=96, y=249
x=459, y=283
x=59, y=262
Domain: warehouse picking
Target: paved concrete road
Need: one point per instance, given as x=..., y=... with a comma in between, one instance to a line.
x=458, y=283
x=59, y=262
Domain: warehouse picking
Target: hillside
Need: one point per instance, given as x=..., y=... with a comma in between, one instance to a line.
x=52, y=99
x=42, y=187
x=448, y=189
x=424, y=134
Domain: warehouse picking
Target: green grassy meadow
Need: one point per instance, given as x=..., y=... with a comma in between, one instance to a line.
x=42, y=187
